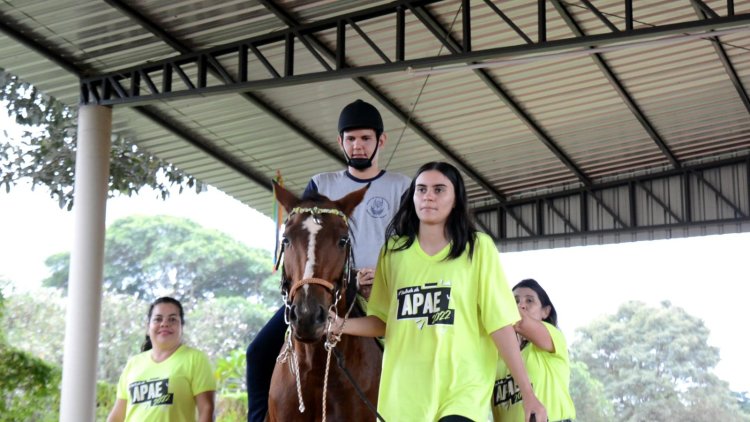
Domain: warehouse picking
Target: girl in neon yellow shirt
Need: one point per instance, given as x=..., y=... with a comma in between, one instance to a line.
x=441, y=299
x=545, y=355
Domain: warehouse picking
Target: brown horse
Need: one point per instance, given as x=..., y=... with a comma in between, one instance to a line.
x=316, y=276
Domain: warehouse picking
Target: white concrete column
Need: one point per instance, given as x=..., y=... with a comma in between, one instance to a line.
x=86, y=264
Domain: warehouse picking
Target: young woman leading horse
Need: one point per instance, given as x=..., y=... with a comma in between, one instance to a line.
x=316, y=280
x=442, y=301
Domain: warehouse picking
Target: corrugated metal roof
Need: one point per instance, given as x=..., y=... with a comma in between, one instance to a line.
x=681, y=88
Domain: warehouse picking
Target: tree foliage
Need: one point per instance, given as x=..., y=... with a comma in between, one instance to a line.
x=588, y=395
x=655, y=364
x=46, y=155
x=222, y=325
x=28, y=384
x=36, y=323
x=157, y=256
x=230, y=373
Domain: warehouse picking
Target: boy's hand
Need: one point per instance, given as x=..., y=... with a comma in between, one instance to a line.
x=365, y=277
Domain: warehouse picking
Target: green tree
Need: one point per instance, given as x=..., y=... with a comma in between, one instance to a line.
x=35, y=322
x=744, y=401
x=46, y=156
x=655, y=364
x=156, y=256
x=221, y=326
x=588, y=395
x=28, y=385
x=121, y=333
x=230, y=373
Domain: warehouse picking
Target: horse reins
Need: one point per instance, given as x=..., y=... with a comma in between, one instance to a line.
x=331, y=339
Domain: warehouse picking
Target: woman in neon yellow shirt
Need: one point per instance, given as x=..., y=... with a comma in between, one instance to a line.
x=169, y=380
x=545, y=355
x=441, y=299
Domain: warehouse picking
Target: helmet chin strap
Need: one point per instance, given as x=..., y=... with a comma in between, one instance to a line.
x=361, y=163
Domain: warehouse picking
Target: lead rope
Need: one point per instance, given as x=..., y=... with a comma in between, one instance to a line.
x=325, y=383
x=333, y=339
x=331, y=342
x=293, y=369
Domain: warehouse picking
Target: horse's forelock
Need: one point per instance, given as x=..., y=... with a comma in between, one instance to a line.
x=315, y=198
x=308, y=236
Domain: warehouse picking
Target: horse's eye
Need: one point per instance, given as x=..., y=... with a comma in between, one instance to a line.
x=285, y=241
x=343, y=241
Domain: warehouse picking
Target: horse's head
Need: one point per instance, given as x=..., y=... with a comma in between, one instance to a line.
x=316, y=252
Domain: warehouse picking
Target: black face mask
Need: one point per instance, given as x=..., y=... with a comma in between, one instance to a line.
x=361, y=163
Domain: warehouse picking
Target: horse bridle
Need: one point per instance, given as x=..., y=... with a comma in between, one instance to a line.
x=288, y=295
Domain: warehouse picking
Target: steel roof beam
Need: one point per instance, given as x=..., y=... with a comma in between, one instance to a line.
x=509, y=21
x=24, y=39
x=705, y=12
x=138, y=17
x=681, y=172
x=451, y=44
x=222, y=74
x=236, y=51
x=560, y=215
x=431, y=23
x=612, y=27
x=619, y=88
x=290, y=21
x=719, y=194
x=659, y=201
x=678, y=212
x=148, y=112
x=207, y=147
x=149, y=26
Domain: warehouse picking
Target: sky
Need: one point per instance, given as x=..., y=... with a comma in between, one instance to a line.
x=707, y=276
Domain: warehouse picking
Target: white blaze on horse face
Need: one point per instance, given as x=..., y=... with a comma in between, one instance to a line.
x=312, y=227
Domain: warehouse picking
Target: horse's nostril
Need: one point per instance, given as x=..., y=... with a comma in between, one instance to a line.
x=293, y=313
x=321, y=316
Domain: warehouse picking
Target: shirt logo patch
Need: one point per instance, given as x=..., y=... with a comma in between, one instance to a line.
x=378, y=207
x=429, y=302
x=506, y=392
x=154, y=391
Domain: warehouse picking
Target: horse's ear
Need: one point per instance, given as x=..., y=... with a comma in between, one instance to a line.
x=351, y=200
x=287, y=199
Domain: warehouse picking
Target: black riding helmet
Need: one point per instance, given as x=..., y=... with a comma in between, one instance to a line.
x=360, y=115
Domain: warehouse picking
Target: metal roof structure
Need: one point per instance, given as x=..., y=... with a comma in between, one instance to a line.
x=574, y=122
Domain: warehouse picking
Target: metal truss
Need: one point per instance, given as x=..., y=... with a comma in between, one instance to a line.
x=187, y=75
x=671, y=199
x=149, y=112
x=403, y=115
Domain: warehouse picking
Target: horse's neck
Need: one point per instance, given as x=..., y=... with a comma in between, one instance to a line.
x=309, y=354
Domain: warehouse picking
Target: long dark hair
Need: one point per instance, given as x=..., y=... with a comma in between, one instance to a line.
x=459, y=228
x=147, y=344
x=543, y=298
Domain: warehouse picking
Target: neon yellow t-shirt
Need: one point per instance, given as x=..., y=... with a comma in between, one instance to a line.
x=165, y=391
x=549, y=374
x=439, y=358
